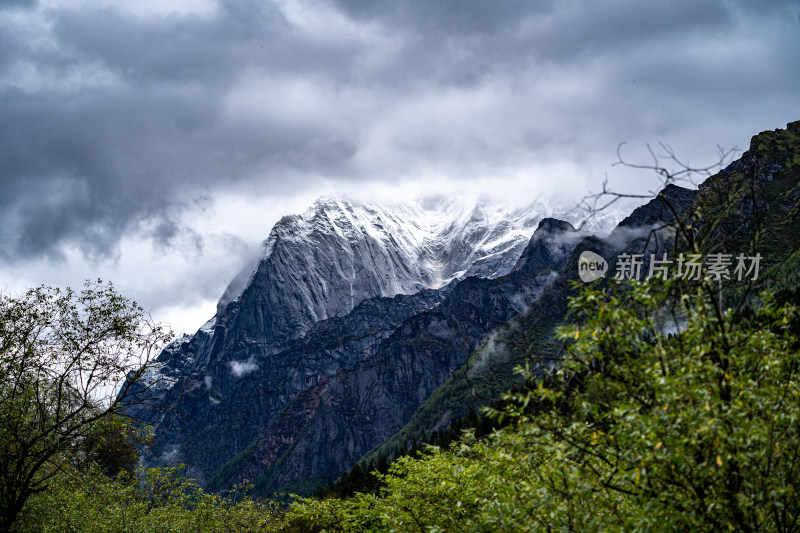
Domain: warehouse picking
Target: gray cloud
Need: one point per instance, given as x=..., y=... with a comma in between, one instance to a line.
x=174, y=49
x=16, y=4
x=117, y=123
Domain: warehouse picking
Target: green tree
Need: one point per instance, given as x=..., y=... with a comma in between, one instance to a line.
x=641, y=428
x=696, y=431
x=112, y=444
x=64, y=357
x=154, y=500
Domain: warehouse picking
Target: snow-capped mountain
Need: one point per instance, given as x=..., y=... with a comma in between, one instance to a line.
x=316, y=304
x=421, y=244
x=341, y=252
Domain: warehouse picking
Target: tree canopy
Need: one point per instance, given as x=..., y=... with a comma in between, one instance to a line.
x=64, y=359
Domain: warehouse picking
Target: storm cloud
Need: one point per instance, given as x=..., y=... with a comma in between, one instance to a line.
x=130, y=118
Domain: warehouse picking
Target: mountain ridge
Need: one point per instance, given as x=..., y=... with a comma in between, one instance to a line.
x=296, y=321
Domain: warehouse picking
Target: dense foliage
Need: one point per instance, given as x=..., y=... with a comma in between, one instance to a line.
x=696, y=430
x=62, y=356
x=667, y=414
x=153, y=500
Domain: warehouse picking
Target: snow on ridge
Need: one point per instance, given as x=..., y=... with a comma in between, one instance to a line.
x=208, y=327
x=429, y=242
x=422, y=231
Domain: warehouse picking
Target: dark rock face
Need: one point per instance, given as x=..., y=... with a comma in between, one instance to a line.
x=331, y=286
x=333, y=423
x=215, y=411
x=551, y=243
x=361, y=407
x=328, y=427
x=660, y=210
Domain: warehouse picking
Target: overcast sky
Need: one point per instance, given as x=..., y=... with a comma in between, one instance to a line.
x=154, y=142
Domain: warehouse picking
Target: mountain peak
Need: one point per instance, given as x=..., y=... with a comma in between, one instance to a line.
x=551, y=243
x=343, y=250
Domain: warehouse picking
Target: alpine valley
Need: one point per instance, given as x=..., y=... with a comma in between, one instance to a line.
x=366, y=326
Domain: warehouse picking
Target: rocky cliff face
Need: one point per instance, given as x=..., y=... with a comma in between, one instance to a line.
x=332, y=285
x=354, y=316
x=553, y=241
x=361, y=407
x=210, y=413
x=323, y=263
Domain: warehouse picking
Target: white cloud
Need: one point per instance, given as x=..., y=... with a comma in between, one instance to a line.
x=240, y=368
